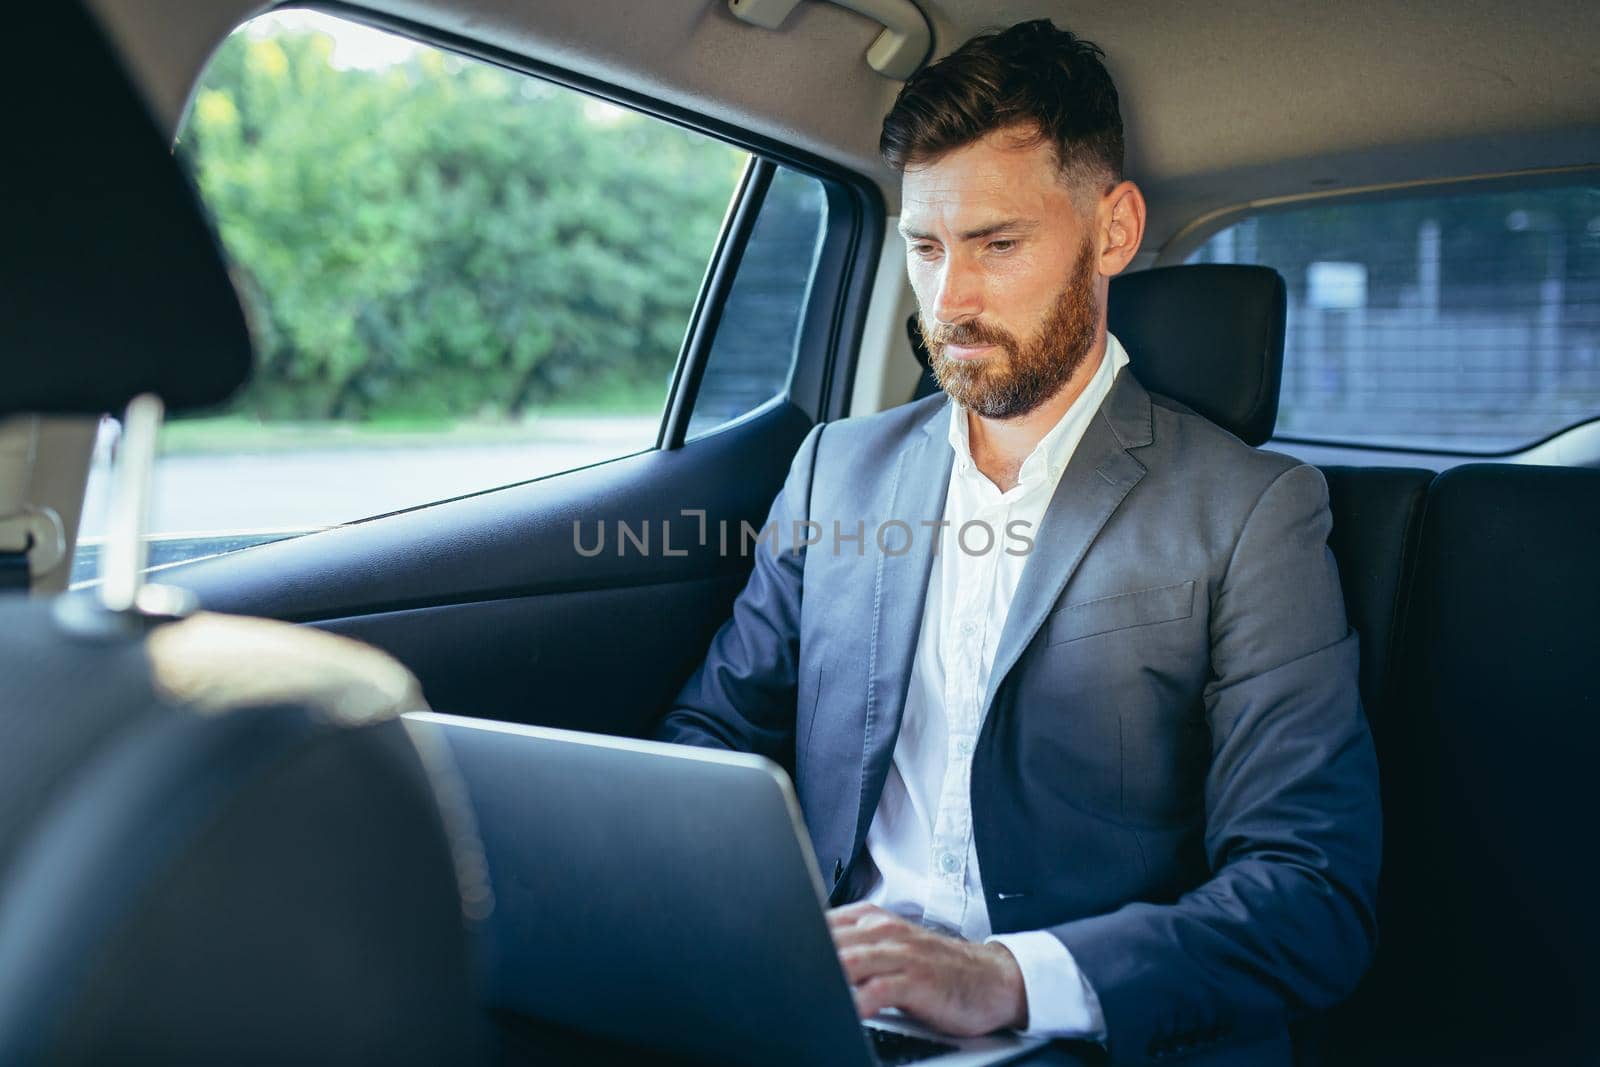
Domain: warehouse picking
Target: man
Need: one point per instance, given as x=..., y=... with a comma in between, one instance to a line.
x=1107, y=777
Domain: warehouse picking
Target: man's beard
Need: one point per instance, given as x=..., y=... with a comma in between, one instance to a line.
x=1026, y=376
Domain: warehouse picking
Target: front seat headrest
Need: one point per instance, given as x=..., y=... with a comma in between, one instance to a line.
x=111, y=282
x=1209, y=336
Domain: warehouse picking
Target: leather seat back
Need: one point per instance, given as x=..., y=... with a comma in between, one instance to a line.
x=1377, y=516
x=209, y=864
x=1489, y=933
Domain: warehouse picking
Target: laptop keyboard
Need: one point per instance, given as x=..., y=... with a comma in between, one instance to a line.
x=892, y=1047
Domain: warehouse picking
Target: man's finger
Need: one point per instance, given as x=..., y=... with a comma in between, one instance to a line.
x=866, y=933
x=850, y=914
x=876, y=994
x=864, y=962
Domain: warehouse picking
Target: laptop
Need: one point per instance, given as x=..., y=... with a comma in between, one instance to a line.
x=667, y=897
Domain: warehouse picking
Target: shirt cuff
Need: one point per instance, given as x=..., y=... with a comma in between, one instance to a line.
x=1061, y=1003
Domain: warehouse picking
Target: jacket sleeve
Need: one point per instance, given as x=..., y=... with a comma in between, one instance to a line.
x=743, y=696
x=1285, y=924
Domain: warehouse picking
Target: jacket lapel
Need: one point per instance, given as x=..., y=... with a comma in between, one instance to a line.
x=918, y=487
x=1100, y=475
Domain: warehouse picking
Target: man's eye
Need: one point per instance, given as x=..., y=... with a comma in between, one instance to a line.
x=1002, y=246
x=924, y=250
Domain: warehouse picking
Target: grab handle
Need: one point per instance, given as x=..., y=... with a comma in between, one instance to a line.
x=898, y=51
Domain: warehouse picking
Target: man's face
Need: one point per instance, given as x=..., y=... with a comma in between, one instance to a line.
x=1005, y=272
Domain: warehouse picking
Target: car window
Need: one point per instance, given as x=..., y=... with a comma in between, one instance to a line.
x=759, y=333
x=459, y=277
x=1461, y=320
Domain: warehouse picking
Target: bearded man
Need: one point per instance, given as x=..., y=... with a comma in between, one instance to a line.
x=1115, y=784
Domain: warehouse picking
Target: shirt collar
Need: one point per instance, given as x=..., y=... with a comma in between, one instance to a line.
x=1051, y=455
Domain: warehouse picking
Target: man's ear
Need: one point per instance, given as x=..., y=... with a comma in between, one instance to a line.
x=1121, y=218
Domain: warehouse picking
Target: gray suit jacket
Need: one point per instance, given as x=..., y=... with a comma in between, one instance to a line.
x=1174, y=774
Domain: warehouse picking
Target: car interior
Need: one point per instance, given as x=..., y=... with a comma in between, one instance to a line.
x=223, y=841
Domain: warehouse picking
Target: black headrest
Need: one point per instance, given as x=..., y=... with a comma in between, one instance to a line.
x=1207, y=335
x=111, y=280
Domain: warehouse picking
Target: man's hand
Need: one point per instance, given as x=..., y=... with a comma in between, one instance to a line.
x=953, y=986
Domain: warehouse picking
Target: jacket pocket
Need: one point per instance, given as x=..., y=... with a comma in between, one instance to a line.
x=1120, y=611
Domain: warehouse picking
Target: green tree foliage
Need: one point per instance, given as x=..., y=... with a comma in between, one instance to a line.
x=445, y=237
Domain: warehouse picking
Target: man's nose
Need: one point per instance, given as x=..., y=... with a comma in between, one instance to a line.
x=960, y=293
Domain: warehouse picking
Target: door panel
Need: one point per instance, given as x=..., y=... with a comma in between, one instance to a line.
x=573, y=660
x=489, y=601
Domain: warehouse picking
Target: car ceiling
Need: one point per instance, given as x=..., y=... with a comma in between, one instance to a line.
x=1224, y=103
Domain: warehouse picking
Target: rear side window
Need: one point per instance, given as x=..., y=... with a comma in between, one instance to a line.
x=1464, y=321
x=460, y=276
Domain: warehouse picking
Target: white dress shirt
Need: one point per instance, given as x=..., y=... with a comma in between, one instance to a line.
x=924, y=859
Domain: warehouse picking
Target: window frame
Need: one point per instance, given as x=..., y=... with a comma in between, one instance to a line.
x=1191, y=235
x=721, y=271
x=1198, y=231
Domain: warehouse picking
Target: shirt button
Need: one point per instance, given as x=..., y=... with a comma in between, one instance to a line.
x=948, y=862
x=964, y=746
x=969, y=628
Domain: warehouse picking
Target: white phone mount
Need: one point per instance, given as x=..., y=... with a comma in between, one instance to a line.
x=123, y=588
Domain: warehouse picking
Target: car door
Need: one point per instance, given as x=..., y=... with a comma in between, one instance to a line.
x=522, y=575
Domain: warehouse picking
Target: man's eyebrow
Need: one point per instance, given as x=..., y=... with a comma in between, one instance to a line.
x=1017, y=226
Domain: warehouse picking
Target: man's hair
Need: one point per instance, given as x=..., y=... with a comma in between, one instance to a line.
x=1050, y=84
